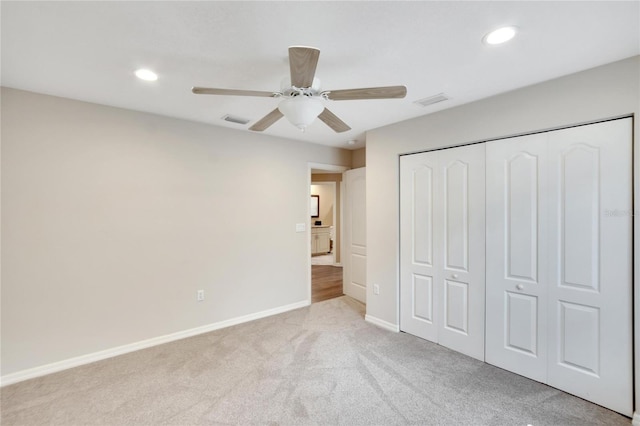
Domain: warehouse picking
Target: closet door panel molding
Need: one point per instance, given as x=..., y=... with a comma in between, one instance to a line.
x=456, y=215
x=522, y=217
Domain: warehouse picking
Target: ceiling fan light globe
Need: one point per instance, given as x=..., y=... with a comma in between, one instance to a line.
x=301, y=110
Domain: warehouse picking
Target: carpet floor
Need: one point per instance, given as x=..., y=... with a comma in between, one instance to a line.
x=317, y=365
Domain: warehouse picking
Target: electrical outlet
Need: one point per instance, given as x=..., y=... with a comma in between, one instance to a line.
x=376, y=289
x=200, y=295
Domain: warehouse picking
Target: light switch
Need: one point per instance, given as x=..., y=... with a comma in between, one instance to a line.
x=300, y=227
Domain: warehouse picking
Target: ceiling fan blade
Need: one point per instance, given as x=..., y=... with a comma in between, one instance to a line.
x=231, y=92
x=331, y=120
x=267, y=121
x=302, y=63
x=388, y=92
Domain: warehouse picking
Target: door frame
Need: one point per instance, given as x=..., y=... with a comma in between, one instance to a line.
x=329, y=168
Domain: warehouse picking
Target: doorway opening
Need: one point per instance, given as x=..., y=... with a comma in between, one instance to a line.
x=325, y=184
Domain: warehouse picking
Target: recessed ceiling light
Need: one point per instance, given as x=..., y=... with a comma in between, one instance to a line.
x=351, y=142
x=147, y=75
x=501, y=35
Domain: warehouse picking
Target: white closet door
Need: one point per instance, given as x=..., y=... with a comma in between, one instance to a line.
x=460, y=217
x=559, y=260
x=590, y=260
x=418, y=274
x=442, y=247
x=516, y=256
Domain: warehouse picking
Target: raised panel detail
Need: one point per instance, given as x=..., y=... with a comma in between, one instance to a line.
x=358, y=270
x=522, y=217
x=521, y=333
x=422, y=297
x=456, y=305
x=422, y=200
x=580, y=225
x=579, y=337
x=456, y=215
x=358, y=206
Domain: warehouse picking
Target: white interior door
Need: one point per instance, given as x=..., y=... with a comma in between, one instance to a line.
x=355, y=241
x=559, y=260
x=442, y=247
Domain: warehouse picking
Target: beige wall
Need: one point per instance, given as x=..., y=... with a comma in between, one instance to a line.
x=358, y=158
x=326, y=194
x=337, y=178
x=608, y=91
x=113, y=219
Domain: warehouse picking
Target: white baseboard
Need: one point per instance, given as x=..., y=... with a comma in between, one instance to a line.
x=382, y=323
x=636, y=419
x=43, y=370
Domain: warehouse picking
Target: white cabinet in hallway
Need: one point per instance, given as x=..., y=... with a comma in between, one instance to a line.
x=320, y=239
x=442, y=233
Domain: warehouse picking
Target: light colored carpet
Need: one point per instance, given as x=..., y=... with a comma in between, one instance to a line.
x=318, y=365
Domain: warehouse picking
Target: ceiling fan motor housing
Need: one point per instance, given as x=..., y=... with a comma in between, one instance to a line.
x=288, y=90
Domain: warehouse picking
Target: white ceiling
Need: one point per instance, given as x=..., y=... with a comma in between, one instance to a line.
x=90, y=50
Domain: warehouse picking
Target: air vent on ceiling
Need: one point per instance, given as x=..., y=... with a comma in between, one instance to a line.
x=235, y=119
x=432, y=99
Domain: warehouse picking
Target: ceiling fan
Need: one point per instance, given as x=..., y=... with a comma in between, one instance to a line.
x=302, y=96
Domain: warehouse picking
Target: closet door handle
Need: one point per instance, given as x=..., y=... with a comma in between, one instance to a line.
x=454, y=276
x=520, y=287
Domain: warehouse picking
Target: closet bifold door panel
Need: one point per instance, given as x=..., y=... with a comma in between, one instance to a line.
x=442, y=228
x=590, y=263
x=516, y=257
x=418, y=271
x=460, y=238
x=559, y=260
